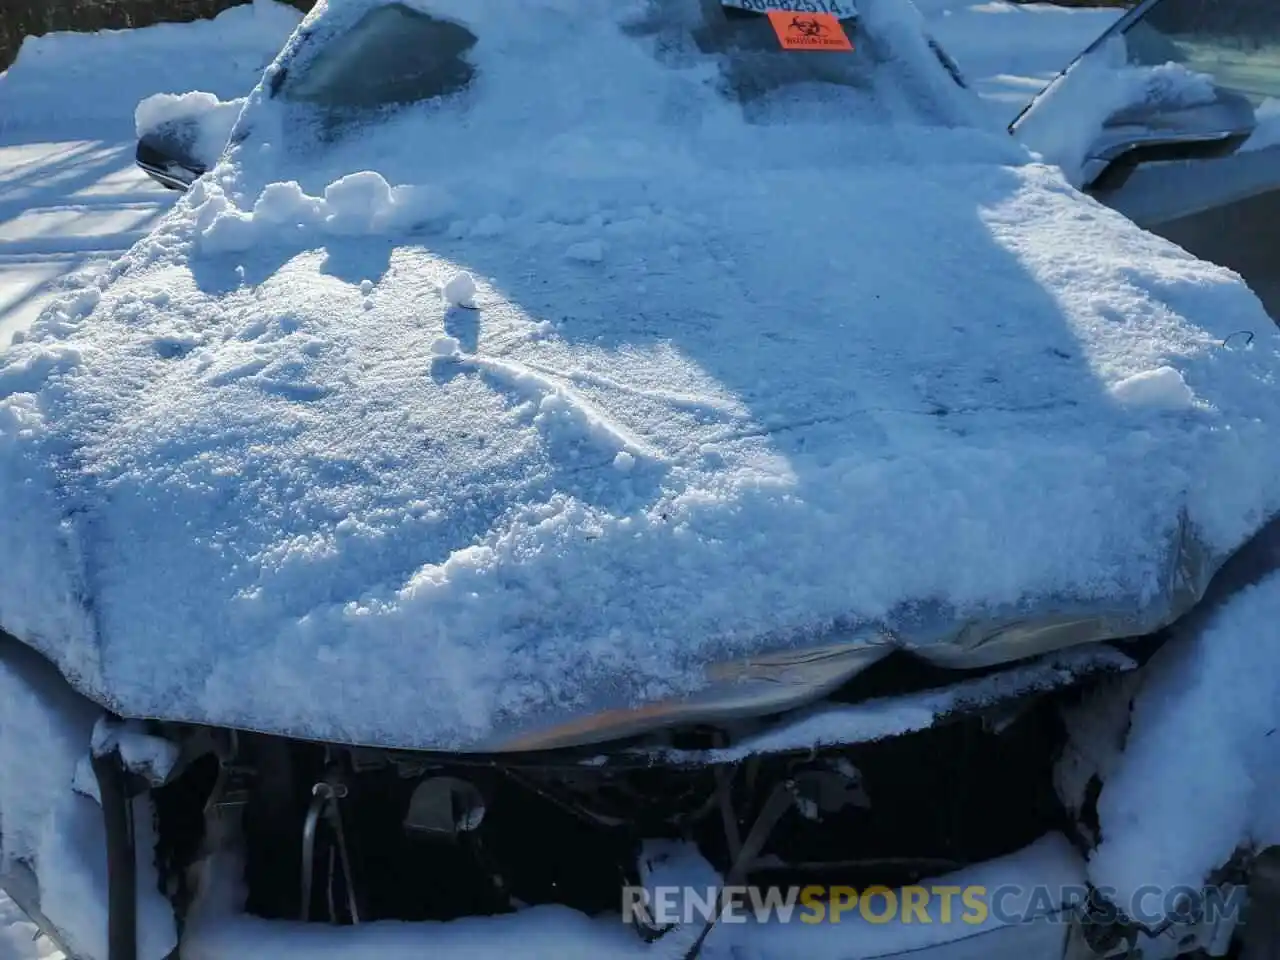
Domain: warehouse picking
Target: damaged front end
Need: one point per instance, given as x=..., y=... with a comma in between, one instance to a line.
x=866, y=791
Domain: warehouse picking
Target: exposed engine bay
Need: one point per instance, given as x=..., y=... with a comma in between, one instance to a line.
x=342, y=834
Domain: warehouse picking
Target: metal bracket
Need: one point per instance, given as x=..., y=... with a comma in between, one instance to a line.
x=781, y=799
x=122, y=867
x=324, y=803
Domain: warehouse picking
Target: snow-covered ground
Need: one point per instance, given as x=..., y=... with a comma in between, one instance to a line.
x=71, y=199
x=68, y=208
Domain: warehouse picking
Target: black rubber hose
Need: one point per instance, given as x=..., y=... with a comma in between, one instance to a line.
x=122, y=867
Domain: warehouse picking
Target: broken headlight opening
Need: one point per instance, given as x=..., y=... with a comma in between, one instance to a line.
x=343, y=835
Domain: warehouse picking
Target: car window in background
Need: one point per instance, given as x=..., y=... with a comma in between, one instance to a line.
x=394, y=55
x=1237, y=42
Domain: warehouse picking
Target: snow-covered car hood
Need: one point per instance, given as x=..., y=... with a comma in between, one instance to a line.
x=713, y=424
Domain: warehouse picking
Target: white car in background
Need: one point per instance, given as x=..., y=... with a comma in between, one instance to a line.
x=561, y=450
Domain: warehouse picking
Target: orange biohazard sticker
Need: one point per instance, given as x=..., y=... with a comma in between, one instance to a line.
x=809, y=31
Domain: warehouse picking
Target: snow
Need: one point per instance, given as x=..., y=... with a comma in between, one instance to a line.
x=1099, y=87
x=1009, y=52
x=355, y=205
x=75, y=79
x=44, y=729
x=448, y=551
x=674, y=863
x=1201, y=767
x=883, y=718
x=460, y=290
x=151, y=757
x=217, y=931
x=71, y=204
x=71, y=199
x=445, y=347
x=490, y=226
x=588, y=251
x=212, y=120
x=1267, y=133
x=1163, y=387
x=19, y=937
x=45, y=733
x=68, y=207
x=73, y=879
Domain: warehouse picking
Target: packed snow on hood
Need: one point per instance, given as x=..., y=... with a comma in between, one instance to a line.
x=276, y=474
x=1200, y=769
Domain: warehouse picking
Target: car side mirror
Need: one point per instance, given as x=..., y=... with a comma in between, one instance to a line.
x=1161, y=132
x=164, y=162
x=181, y=137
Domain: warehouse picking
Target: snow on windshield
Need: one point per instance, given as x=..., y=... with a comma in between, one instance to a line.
x=661, y=86
x=720, y=378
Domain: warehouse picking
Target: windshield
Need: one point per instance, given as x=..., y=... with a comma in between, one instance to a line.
x=431, y=91
x=1194, y=71
x=401, y=53
x=759, y=54
x=392, y=55
x=1237, y=43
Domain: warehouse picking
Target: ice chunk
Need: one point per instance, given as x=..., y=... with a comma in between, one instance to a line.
x=1267, y=132
x=460, y=290
x=490, y=226
x=589, y=251
x=286, y=204
x=230, y=232
x=151, y=757
x=1162, y=388
x=445, y=347
x=359, y=203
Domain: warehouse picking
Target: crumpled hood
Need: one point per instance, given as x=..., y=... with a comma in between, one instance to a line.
x=271, y=477
x=268, y=502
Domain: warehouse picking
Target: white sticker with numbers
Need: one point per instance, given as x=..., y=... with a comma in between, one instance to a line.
x=844, y=9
